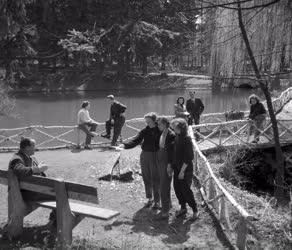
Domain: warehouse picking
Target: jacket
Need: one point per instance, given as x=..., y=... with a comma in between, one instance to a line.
x=117, y=109
x=169, y=145
x=183, y=153
x=195, y=107
x=21, y=164
x=257, y=109
x=149, y=137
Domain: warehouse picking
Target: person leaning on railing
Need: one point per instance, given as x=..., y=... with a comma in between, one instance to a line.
x=116, y=120
x=86, y=123
x=257, y=115
x=149, y=137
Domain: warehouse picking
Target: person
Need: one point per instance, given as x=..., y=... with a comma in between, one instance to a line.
x=116, y=119
x=257, y=115
x=182, y=165
x=149, y=137
x=86, y=123
x=180, y=109
x=195, y=107
x=165, y=154
x=24, y=164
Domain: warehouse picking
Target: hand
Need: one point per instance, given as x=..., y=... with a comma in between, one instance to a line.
x=40, y=168
x=120, y=147
x=169, y=170
x=181, y=175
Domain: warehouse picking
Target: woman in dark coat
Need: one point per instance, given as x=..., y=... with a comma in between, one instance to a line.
x=165, y=154
x=183, y=167
x=257, y=115
x=149, y=137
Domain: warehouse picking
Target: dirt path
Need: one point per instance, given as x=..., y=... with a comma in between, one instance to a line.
x=135, y=228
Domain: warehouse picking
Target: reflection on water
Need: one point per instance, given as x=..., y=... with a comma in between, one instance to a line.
x=62, y=108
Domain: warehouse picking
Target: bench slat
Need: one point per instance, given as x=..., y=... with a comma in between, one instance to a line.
x=46, y=185
x=84, y=209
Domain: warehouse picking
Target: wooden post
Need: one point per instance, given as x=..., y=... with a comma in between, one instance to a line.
x=220, y=136
x=223, y=212
x=196, y=162
x=65, y=218
x=78, y=136
x=241, y=233
x=17, y=208
x=211, y=190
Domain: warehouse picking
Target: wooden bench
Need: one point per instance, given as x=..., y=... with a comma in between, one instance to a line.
x=69, y=212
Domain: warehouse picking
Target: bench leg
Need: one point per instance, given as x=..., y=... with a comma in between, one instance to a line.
x=65, y=219
x=17, y=208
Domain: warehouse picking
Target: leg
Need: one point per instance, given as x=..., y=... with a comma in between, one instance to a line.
x=92, y=126
x=165, y=182
x=84, y=128
x=155, y=177
x=178, y=191
x=118, y=125
x=146, y=174
x=108, y=127
x=187, y=192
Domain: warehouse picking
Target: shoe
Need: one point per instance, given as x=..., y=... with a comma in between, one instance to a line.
x=255, y=141
x=155, y=206
x=163, y=216
x=181, y=212
x=148, y=203
x=88, y=148
x=195, y=216
x=105, y=136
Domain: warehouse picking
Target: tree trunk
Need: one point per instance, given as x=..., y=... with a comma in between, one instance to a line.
x=279, y=189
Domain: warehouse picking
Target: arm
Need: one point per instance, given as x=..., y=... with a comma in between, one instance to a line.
x=188, y=106
x=86, y=117
x=135, y=141
x=170, y=148
x=122, y=108
x=202, y=107
x=20, y=170
x=188, y=155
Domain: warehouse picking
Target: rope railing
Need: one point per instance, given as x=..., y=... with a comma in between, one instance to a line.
x=218, y=198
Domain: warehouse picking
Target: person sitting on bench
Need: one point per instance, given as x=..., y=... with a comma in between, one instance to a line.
x=24, y=164
x=84, y=121
x=116, y=120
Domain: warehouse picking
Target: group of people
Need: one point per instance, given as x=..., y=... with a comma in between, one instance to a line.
x=167, y=152
x=116, y=121
x=191, y=112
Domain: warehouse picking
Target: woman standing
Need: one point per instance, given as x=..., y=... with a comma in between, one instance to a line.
x=257, y=115
x=149, y=137
x=183, y=167
x=165, y=154
x=180, y=108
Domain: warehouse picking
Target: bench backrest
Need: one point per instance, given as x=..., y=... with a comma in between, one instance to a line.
x=46, y=185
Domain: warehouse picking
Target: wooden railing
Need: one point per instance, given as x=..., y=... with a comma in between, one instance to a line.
x=218, y=198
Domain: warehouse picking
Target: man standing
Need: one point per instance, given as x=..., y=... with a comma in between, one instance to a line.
x=86, y=124
x=116, y=119
x=195, y=107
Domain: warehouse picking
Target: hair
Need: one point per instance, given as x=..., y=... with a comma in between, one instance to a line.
x=253, y=96
x=177, y=101
x=84, y=104
x=151, y=115
x=181, y=124
x=26, y=142
x=164, y=120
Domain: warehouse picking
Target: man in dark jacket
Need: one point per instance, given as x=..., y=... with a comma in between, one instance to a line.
x=24, y=164
x=116, y=120
x=195, y=107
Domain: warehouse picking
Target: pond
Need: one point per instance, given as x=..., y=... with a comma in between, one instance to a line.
x=62, y=108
